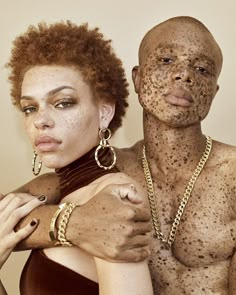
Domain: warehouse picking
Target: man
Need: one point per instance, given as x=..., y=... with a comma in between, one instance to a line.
x=176, y=82
x=190, y=179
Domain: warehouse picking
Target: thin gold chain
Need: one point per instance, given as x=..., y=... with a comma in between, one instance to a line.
x=152, y=198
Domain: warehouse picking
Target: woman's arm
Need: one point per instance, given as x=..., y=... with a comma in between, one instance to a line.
x=123, y=278
x=11, y=211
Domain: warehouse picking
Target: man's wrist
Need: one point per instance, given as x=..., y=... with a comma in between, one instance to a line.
x=59, y=224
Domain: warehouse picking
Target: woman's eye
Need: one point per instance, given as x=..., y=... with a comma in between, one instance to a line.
x=63, y=104
x=166, y=60
x=28, y=110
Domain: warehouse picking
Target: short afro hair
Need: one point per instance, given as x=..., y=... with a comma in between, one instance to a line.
x=65, y=43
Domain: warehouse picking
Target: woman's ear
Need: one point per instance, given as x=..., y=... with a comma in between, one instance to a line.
x=107, y=111
x=136, y=78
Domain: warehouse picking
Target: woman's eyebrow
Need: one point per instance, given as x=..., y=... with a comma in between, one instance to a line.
x=51, y=92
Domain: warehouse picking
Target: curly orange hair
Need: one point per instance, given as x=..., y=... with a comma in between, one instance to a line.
x=65, y=43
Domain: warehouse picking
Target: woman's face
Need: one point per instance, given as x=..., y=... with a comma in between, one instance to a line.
x=61, y=115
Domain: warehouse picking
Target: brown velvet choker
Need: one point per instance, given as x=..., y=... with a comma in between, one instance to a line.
x=83, y=171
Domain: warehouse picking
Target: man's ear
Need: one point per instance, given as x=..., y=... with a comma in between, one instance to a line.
x=136, y=78
x=217, y=88
x=107, y=111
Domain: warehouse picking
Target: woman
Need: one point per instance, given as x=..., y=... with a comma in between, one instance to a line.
x=12, y=209
x=72, y=91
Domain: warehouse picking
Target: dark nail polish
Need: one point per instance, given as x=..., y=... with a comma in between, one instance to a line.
x=33, y=222
x=42, y=198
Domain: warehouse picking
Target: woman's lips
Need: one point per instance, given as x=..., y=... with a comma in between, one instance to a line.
x=46, y=143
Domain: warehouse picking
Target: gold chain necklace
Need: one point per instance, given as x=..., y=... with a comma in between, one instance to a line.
x=152, y=199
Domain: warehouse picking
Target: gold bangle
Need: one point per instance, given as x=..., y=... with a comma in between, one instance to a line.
x=61, y=236
x=53, y=221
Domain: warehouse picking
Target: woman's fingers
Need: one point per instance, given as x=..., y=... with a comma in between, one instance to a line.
x=15, y=214
x=13, y=208
x=1, y=196
x=10, y=204
x=8, y=242
x=24, y=232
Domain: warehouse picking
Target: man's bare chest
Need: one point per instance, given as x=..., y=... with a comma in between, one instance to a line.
x=207, y=227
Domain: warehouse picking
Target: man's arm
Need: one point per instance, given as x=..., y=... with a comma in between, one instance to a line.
x=106, y=226
x=232, y=276
x=2, y=289
x=46, y=184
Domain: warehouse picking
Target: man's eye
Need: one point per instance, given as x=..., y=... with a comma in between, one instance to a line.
x=28, y=110
x=166, y=60
x=201, y=70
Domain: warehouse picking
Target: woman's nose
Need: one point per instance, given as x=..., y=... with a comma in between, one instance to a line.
x=43, y=120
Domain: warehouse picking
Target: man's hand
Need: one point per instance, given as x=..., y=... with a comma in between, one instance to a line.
x=112, y=226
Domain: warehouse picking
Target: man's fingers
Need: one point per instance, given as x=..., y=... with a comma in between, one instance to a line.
x=133, y=255
x=127, y=191
x=141, y=214
x=140, y=241
x=141, y=228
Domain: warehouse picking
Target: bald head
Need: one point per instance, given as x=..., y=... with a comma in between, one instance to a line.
x=180, y=29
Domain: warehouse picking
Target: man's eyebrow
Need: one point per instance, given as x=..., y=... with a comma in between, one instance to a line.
x=51, y=92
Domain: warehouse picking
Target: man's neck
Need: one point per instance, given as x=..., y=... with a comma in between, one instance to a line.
x=170, y=149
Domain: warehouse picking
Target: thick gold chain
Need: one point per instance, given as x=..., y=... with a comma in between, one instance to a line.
x=152, y=198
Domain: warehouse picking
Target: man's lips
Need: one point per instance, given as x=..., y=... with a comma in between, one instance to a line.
x=179, y=98
x=46, y=143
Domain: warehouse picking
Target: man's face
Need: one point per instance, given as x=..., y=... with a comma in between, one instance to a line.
x=179, y=67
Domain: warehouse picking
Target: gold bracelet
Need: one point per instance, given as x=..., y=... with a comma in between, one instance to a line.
x=61, y=236
x=53, y=221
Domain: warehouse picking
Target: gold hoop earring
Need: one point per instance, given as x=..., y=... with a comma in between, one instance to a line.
x=104, y=135
x=33, y=165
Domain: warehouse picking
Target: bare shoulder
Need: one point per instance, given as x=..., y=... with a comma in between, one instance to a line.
x=223, y=154
x=128, y=157
x=223, y=163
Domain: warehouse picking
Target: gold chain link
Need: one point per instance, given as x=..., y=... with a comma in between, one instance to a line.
x=152, y=198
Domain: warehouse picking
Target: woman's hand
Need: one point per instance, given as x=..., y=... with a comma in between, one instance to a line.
x=13, y=207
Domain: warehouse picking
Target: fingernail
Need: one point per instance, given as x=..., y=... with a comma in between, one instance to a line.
x=42, y=198
x=33, y=222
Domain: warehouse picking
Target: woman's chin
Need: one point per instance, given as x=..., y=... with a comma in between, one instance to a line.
x=52, y=164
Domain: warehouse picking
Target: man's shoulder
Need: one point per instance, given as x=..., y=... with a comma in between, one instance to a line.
x=224, y=155
x=132, y=151
x=224, y=151
x=129, y=155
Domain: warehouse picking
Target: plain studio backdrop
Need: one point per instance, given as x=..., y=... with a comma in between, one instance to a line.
x=125, y=22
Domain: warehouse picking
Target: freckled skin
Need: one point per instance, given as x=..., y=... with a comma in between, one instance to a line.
x=180, y=56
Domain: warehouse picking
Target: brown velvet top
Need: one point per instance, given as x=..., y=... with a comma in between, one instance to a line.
x=42, y=276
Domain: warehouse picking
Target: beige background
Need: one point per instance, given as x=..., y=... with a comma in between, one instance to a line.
x=125, y=22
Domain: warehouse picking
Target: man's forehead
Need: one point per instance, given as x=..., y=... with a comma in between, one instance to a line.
x=171, y=37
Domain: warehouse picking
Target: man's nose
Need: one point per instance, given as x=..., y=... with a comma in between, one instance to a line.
x=183, y=74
